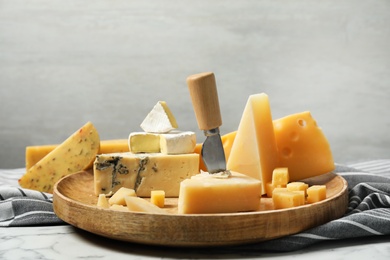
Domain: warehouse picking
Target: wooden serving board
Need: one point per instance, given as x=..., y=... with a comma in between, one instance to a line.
x=75, y=203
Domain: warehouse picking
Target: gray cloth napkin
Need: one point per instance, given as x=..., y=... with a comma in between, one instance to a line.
x=368, y=213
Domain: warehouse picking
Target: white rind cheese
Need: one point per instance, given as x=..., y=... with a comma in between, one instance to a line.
x=159, y=120
x=178, y=142
x=143, y=172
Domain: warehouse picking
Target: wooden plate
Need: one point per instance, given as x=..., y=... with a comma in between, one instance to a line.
x=75, y=203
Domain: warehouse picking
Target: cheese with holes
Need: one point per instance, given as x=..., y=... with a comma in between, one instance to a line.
x=142, y=142
x=303, y=147
x=35, y=153
x=210, y=193
x=160, y=119
x=73, y=155
x=177, y=142
x=143, y=172
x=254, y=151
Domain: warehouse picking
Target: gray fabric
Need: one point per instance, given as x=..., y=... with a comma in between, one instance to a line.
x=368, y=212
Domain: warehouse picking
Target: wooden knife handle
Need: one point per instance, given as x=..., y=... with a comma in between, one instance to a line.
x=204, y=96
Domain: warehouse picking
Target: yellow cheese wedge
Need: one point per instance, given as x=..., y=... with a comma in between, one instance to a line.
x=303, y=148
x=254, y=151
x=143, y=172
x=35, y=153
x=119, y=197
x=141, y=205
x=206, y=193
x=74, y=154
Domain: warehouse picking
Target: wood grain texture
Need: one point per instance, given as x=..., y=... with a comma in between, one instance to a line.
x=75, y=203
x=204, y=96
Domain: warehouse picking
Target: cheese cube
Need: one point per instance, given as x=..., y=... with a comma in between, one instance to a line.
x=269, y=187
x=143, y=172
x=297, y=185
x=209, y=193
x=280, y=177
x=178, y=142
x=141, y=142
x=73, y=155
x=157, y=197
x=316, y=193
x=119, y=196
x=141, y=205
x=287, y=199
x=159, y=120
x=103, y=201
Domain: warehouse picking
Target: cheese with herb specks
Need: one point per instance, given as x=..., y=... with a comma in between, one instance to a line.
x=73, y=155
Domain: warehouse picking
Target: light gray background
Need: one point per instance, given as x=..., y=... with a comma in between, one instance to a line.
x=63, y=63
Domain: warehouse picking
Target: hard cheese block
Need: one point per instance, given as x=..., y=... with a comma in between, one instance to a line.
x=74, y=154
x=35, y=153
x=254, y=151
x=143, y=172
x=210, y=193
x=303, y=147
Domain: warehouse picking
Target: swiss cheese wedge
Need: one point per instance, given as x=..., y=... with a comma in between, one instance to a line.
x=254, y=151
x=74, y=154
x=303, y=147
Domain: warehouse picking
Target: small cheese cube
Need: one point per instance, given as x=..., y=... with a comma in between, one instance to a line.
x=119, y=197
x=103, y=201
x=208, y=193
x=287, y=199
x=178, y=142
x=141, y=142
x=316, y=193
x=298, y=185
x=157, y=197
x=141, y=205
x=119, y=207
x=159, y=120
x=280, y=177
x=269, y=188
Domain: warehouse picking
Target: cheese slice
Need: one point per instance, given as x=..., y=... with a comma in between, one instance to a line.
x=303, y=147
x=141, y=205
x=254, y=151
x=74, y=154
x=35, y=153
x=143, y=172
x=177, y=142
x=142, y=142
x=160, y=119
x=210, y=193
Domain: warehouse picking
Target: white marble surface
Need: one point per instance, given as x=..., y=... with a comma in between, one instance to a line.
x=63, y=63
x=67, y=242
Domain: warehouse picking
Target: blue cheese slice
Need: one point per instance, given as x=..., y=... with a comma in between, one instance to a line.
x=160, y=119
x=143, y=172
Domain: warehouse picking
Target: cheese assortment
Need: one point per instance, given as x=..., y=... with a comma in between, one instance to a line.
x=73, y=155
x=159, y=158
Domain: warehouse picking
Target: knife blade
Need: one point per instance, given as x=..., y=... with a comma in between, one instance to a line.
x=204, y=96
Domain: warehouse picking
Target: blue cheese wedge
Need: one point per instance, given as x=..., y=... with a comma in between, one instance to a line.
x=143, y=172
x=160, y=119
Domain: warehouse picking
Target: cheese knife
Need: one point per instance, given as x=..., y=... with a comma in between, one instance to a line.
x=204, y=96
